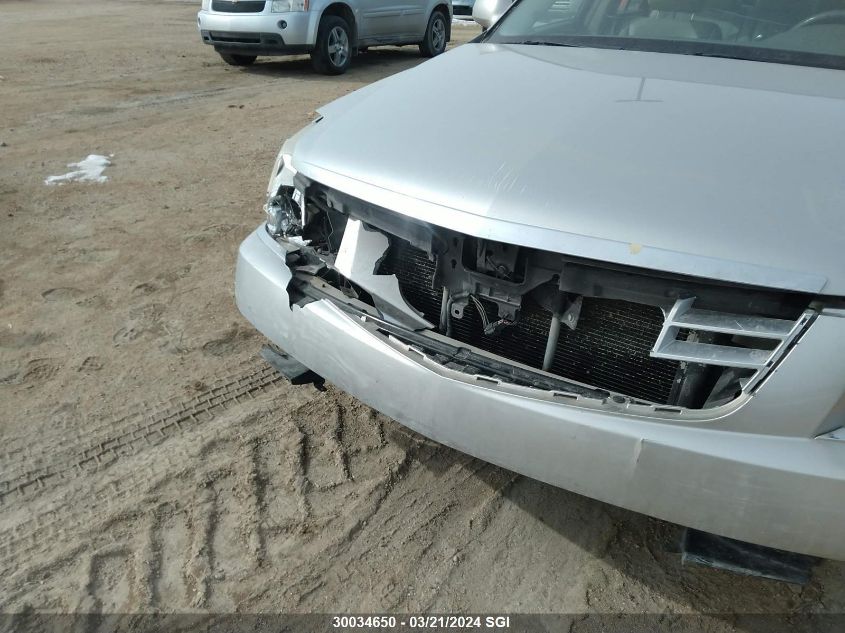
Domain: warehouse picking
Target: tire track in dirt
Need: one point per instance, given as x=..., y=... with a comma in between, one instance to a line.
x=209, y=503
x=130, y=434
x=113, y=486
x=127, y=491
x=21, y=447
x=203, y=516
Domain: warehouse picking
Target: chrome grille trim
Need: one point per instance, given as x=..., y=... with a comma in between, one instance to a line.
x=683, y=317
x=238, y=6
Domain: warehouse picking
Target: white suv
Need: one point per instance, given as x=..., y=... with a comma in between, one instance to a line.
x=332, y=32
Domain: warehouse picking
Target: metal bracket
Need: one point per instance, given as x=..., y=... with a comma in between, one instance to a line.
x=290, y=368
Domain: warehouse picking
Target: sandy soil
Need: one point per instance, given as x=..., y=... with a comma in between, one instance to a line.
x=151, y=461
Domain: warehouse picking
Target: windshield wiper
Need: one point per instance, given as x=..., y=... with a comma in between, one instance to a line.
x=542, y=43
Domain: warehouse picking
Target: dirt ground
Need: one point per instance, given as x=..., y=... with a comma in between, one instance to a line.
x=151, y=462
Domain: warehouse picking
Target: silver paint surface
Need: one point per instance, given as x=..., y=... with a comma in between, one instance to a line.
x=719, y=168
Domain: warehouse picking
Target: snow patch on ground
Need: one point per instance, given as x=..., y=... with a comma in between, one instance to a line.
x=88, y=170
x=467, y=21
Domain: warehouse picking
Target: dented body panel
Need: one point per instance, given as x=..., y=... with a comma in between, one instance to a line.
x=751, y=470
x=630, y=286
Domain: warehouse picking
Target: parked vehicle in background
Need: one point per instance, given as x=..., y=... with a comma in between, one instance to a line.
x=462, y=8
x=332, y=32
x=486, y=12
x=630, y=285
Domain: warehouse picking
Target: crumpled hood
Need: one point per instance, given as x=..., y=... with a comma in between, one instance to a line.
x=720, y=168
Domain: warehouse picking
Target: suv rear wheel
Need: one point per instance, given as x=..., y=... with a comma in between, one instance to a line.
x=238, y=60
x=435, y=35
x=333, y=51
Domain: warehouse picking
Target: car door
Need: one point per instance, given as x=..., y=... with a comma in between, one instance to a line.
x=415, y=17
x=380, y=18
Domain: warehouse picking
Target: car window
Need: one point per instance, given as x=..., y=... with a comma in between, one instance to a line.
x=809, y=32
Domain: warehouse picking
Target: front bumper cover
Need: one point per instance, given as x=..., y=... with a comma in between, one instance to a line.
x=259, y=33
x=753, y=471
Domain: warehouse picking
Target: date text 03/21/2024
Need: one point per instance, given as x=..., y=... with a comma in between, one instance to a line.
x=421, y=622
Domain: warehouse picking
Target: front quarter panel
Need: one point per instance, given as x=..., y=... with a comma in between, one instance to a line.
x=317, y=7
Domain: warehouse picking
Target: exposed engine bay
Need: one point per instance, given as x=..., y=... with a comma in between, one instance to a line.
x=532, y=317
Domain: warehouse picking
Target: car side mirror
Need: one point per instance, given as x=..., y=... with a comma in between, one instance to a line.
x=487, y=12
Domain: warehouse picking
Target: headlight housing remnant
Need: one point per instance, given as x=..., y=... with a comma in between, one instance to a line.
x=289, y=6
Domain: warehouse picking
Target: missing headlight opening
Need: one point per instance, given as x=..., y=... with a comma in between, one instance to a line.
x=540, y=318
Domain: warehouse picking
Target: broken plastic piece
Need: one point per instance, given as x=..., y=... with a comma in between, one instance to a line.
x=290, y=368
x=357, y=260
x=837, y=435
x=747, y=559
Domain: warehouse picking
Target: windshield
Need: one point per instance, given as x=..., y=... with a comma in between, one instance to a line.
x=806, y=32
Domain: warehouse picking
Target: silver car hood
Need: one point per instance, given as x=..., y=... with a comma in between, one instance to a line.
x=718, y=168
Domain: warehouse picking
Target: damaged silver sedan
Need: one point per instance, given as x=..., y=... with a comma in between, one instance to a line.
x=629, y=287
